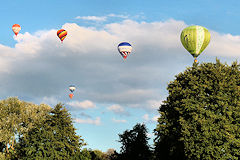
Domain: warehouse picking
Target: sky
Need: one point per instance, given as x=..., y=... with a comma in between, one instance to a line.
x=112, y=95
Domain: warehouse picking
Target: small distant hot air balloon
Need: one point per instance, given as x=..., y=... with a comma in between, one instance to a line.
x=71, y=95
x=195, y=39
x=72, y=88
x=62, y=34
x=124, y=49
x=16, y=28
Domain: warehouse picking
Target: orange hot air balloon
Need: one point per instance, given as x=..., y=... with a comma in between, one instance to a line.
x=16, y=28
x=62, y=34
x=71, y=95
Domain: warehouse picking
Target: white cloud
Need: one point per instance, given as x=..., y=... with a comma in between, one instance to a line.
x=146, y=117
x=92, y=18
x=225, y=45
x=82, y=105
x=161, y=35
x=118, y=16
x=119, y=120
x=52, y=101
x=122, y=96
x=6, y=58
x=97, y=121
x=150, y=135
x=41, y=66
x=101, y=18
x=117, y=109
x=155, y=118
x=154, y=104
x=82, y=114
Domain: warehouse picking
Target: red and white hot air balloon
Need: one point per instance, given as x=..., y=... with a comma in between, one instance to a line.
x=16, y=28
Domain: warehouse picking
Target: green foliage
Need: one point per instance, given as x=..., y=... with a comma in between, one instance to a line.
x=98, y=155
x=134, y=144
x=16, y=118
x=84, y=155
x=201, y=117
x=2, y=156
x=88, y=154
x=111, y=154
x=54, y=138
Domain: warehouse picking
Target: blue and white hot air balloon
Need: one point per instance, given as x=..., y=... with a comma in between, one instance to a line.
x=124, y=49
x=72, y=88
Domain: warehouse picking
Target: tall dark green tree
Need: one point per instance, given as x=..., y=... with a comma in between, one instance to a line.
x=134, y=144
x=55, y=138
x=201, y=117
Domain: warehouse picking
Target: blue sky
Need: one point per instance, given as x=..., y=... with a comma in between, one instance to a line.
x=112, y=95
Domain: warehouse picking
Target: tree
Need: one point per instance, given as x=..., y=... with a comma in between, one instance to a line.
x=55, y=138
x=134, y=144
x=83, y=155
x=98, y=155
x=16, y=118
x=201, y=117
x=110, y=153
x=89, y=154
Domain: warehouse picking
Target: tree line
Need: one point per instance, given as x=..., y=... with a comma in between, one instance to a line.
x=199, y=120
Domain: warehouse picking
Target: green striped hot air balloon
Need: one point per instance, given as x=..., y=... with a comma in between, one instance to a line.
x=195, y=39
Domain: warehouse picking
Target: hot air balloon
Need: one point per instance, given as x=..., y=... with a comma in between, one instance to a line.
x=16, y=28
x=124, y=49
x=195, y=39
x=62, y=34
x=71, y=95
x=72, y=88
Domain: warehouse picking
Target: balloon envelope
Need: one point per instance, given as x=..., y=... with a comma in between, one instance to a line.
x=72, y=88
x=195, y=39
x=16, y=28
x=124, y=49
x=61, y=34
